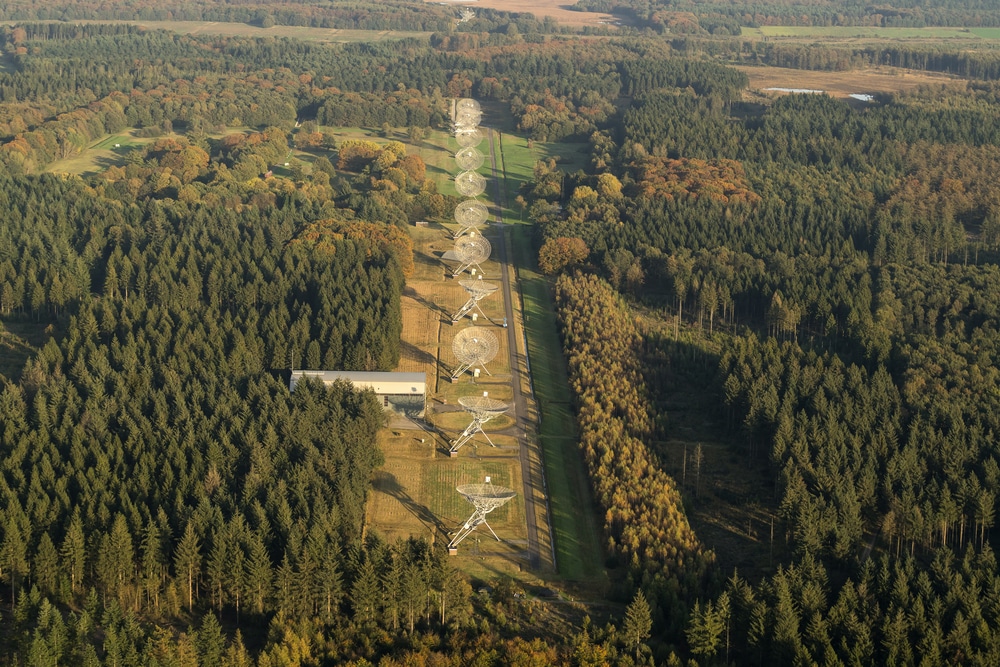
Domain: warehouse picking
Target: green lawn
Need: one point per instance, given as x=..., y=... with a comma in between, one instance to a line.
x=577, y=535
x=986, y=33
x=112, y=140
x=518, y=163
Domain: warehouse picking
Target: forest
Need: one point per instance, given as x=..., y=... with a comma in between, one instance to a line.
x=823, y=273
x=718, y=18
x=834, y=263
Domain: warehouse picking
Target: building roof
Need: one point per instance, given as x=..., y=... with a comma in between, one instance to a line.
x=380, y=383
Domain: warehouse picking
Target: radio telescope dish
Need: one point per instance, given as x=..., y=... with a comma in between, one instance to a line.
x=467, y=119
x=478, y=290
x=482, y=409
x=469, y=158
x=471, y=210
x=467, y=103
x=470, y=215
x=471, y=251
x=485, y=498
x=468, y=136
x=472, y=346
x=470, y=183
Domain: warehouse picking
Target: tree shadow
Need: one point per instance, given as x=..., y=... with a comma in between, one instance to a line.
x=433, y=307
x=388, y=483
x=411, y=351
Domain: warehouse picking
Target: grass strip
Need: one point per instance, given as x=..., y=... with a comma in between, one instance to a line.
x=577, y=538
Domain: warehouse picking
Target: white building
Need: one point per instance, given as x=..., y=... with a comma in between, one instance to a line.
x=404, y=393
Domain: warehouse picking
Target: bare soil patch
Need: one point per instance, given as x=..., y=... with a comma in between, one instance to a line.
x=557, y=9
x=840, y=84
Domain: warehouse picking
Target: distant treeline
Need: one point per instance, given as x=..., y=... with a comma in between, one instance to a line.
x=388, y=15
x=723, y=18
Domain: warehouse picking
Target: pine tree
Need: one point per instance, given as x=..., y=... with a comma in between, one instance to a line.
x=46, y=565
x=187, y=561
x=365, y=593
x=704, y=632
x=259, y=574
x=74, y=552
x=210, y=642
x=638, y=624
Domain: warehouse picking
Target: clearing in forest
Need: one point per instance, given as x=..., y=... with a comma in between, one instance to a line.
x=556, y=9
x=414, y=493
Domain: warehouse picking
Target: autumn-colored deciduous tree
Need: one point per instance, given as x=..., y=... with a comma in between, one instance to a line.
x=561, y=252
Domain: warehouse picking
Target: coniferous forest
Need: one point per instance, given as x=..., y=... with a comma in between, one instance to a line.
x=824, y=273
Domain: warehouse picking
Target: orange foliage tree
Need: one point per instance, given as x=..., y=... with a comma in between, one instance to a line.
x=561, y=252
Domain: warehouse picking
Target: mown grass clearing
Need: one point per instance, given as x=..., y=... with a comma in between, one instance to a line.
x=414, y=494
x=577, y=534
x=517, y=159
x=111, y=151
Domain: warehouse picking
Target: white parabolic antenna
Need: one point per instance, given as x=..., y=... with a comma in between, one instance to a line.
x=467, y=103
x=469, y=158
x=482, y=409
x=470, y=216
x=468, y=136
x=485, y=498
x=467, y=119
x=471, y=213
x=471, y=251
x=470, y=183
x=474, y=346
x=478, y=290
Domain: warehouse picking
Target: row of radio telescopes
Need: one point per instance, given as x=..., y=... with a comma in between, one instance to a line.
x=475, y=346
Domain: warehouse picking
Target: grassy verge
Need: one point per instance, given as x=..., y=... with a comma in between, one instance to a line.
x=576, y=533
x=577, y=536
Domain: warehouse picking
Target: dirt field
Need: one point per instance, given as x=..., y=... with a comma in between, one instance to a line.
x=840, y=84
x=542, y=8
